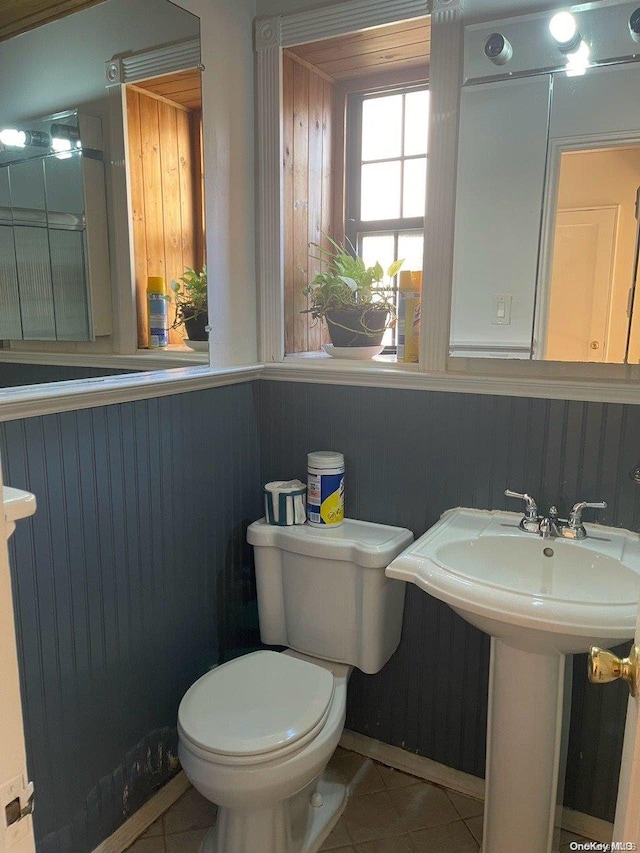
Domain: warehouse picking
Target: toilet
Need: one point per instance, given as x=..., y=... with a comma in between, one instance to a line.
x=256, y=733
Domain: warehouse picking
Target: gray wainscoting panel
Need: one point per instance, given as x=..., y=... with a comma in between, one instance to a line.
x=13, y=373
x=411, y=455
x=132, y=579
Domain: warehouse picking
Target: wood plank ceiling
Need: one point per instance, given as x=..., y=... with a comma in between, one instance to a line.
x=18, y=16
x=387, y=48
x=182, y=87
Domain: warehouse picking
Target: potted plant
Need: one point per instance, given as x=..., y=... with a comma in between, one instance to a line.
x=190, y=299
x=351, y=297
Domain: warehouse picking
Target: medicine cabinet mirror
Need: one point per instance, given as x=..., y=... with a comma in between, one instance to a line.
x=54, y=255
x=546, y=236
x=57, y=67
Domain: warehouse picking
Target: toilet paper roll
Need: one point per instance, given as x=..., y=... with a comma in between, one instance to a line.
x=285, y=502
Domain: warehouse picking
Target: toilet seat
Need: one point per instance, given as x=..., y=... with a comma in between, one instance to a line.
x=256, y=708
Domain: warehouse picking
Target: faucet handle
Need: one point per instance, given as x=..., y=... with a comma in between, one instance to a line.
x=531, y=508
x=575, y=517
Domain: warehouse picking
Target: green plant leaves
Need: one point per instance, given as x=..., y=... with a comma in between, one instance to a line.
x=347, y=283
x=190, y=294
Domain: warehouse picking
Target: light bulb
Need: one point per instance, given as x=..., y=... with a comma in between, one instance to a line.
x=13, y=138
x=563, y=27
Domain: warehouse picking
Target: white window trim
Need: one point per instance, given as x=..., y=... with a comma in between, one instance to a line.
x=436, y=371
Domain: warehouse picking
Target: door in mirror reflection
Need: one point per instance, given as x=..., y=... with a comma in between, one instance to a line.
x=590, y=292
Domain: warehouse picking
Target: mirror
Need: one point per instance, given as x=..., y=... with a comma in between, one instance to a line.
x=54, y=217
x=546, y=240
x=45, y=71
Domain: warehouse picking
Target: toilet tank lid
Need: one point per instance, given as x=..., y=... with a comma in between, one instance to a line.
x=369, y=545
x=255, y=704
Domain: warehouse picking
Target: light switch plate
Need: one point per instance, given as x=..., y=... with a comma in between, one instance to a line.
x=501, y=310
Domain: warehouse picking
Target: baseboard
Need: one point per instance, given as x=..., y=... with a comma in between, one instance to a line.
x=424, y=768
x=585, y=824
x=125, y=835
x=582, y=824
x=416, y=765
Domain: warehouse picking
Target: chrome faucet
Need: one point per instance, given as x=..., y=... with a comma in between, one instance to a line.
x=530, y=522
x=550, y=526
x=575, y=527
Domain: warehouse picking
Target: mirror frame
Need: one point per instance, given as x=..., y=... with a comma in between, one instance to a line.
x=437, y=370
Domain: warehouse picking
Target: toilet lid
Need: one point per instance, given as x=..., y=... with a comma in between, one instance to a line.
x=255, y=704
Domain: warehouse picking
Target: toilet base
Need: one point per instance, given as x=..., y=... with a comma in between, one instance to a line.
x=294, y=826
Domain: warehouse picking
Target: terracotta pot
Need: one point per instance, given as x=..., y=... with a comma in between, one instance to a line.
x=357, y=327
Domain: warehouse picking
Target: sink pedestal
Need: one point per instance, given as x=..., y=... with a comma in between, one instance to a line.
x=526, y=750
x=540, y=600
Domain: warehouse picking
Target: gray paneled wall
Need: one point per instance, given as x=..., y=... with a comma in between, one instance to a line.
x=130, y=581
x=411, y=455
x=13, y=373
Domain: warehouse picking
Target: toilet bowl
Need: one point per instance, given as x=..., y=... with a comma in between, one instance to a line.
x=256, y=733
x=254, y=777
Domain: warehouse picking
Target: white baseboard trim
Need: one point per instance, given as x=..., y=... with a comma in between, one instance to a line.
x=416, y=765
x=585, y=824
x=582, y=824
x=141, y=820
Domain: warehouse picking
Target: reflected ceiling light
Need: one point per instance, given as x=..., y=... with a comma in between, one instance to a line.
x=62, y=147
x=64, y=131
x=578, y=61
x=498, y=49
x=564, y=31
x=13, y=138
x=634, y=474
x=634, y=25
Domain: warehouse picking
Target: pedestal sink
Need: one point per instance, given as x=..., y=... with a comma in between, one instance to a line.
x=540, y=600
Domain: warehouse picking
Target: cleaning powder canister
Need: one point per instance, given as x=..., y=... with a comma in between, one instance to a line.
x=325, y=488
x=158, y=312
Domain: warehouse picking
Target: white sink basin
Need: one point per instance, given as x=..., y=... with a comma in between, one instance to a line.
x=540, y=599
x=541, y=595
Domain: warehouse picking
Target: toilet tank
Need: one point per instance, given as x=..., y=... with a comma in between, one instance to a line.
x=324, y=592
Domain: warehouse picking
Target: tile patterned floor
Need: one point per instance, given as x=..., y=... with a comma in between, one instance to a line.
x=387, y=812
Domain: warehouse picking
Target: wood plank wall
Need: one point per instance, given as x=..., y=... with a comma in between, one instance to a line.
x=307, y=172
x=166, y=199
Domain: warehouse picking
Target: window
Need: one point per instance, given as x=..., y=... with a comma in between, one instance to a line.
x=386, y=174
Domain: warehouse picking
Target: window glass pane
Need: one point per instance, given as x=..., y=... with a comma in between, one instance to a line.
x=411, y=247
x=382, y=127
x=416, y=122
x=415, y=187
x=380, y=191
x=378, y=247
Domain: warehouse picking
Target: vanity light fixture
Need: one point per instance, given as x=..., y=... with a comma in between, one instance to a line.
x=634, y=25
x=65, y=133
x=498, y=49
x=12, y=138
x=564, y=31
x=63, y=140
x=578, y=61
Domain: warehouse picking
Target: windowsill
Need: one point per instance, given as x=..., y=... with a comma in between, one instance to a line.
x=386, y=372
